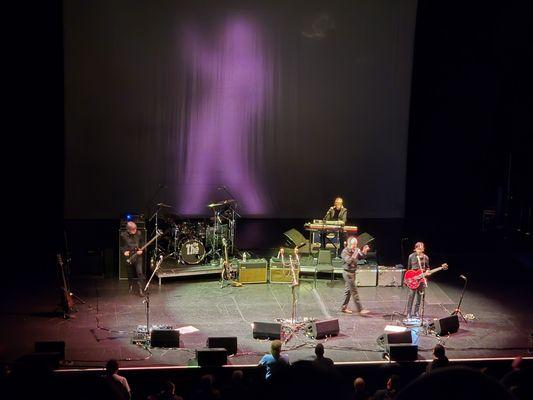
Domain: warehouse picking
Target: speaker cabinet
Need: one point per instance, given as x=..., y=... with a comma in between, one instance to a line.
x=212, y=357
x=165, y=338
x=122, y=265
x=322, y=329
x=446, y=325
x=402, y=351
x=398, y=337
x=294, y=238
x=366, y=275
x=229, y=343
x=390, y=276
x=280, y=273
x=253, y=271
x=266, y=330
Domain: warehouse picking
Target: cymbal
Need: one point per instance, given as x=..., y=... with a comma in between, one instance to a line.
x=163, y=205
x=221, y=203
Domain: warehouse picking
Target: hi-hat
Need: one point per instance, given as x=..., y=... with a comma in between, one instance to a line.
x=163, y=205
x=221, y=203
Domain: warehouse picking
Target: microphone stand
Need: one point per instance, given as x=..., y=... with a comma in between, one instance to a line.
x=147, y=297
x=457, y=310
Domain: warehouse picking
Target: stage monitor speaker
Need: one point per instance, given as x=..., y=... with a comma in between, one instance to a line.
x=364, y=239
x=398, y=337
x=122, y=265
x=214, y=357
x=322, y=329
x=165, y=338
x=229, y=343
x=51, y=347
x=295, y=238
x=266, y=330
x=446, y=325
x=402, y=351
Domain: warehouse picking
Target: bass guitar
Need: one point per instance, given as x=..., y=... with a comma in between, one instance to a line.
x=414, y=277
x=133, y=252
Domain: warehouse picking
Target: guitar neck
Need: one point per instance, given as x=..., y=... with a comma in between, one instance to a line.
x=149, y=243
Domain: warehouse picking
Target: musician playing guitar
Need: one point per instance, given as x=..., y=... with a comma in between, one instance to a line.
x=132, y=242
x=418, y=260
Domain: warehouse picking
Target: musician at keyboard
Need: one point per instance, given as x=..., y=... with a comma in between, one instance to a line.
x=336, y=213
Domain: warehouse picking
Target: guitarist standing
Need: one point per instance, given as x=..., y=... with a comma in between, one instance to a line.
x=418, y=260
x=132, y=242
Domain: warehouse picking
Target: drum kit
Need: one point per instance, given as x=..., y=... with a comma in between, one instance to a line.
x=193, y=241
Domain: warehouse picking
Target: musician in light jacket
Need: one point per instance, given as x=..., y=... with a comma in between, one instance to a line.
x=418, y=260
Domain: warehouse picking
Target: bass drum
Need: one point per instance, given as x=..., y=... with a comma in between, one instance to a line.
x=192, y=251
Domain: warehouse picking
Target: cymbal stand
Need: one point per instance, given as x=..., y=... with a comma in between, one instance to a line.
x=156, y=216
x=215, y=250
x=232, y=222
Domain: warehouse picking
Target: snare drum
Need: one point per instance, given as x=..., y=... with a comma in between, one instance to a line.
x=192, y=251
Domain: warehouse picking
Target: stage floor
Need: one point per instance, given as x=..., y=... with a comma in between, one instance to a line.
x=104, y=326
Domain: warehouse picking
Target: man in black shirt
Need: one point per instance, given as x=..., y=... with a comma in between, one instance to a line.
x=349, y=256
x=132, y=241
x=336, y=213
x=417, y=261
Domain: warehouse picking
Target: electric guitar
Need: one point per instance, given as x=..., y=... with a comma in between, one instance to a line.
x=67, y=302
x=414, y=277
x=133, y=253
x=227, y=274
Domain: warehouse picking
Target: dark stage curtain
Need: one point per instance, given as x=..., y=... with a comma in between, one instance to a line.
x=282, y=107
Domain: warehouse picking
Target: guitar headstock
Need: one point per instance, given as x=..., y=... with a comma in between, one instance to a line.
x=224, y=242
x=60, y=259
x=444, y=266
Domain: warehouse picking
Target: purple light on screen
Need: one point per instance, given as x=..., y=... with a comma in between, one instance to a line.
x=229, y=80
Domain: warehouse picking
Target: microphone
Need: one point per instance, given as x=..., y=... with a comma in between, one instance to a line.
x=462, y=277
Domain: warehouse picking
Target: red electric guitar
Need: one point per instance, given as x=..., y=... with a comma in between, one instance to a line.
x=413, y=277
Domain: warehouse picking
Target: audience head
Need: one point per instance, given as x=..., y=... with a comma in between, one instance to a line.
x=237, y=376
x=439, y=351
x=275, y=348
x=319, y=350
x=359, y=384
x=111, y=367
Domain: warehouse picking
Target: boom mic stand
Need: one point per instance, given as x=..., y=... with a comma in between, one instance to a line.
x=457, y=310
x=147, y=296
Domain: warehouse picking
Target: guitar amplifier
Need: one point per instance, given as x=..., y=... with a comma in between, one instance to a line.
x=390, y=276
x=366, y=275
x=253, y=271
x=280, y=273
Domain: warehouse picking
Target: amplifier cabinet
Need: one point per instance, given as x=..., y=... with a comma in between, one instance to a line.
x=366, y=275
x=253, y=271
x=390, y=276
x=280, y=273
